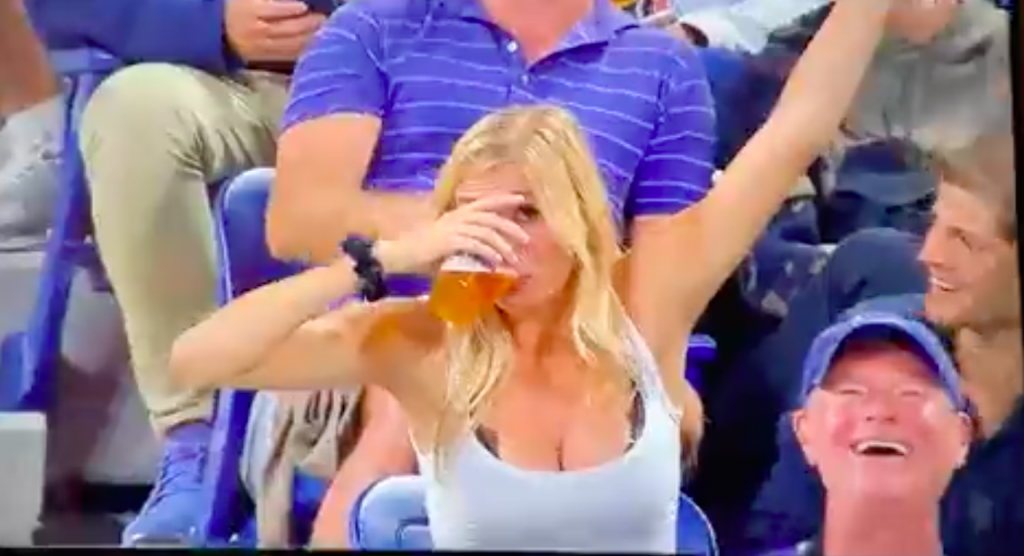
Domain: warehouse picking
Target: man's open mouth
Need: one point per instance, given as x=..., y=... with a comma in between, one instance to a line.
x=881, y=448
x=940, y=285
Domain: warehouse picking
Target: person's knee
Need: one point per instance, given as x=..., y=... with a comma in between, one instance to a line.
x=143, y=150
x=145, y=106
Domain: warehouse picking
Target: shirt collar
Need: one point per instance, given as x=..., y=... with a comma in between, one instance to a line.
x=600, y=25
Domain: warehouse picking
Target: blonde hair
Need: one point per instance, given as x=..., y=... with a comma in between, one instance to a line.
x=547, y=146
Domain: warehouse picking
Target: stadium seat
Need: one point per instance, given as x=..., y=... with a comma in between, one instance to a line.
x=796, y=550
x=391, y=515
x=694, y=534
x=700, y=353
x=245, y=263
x=29, y=358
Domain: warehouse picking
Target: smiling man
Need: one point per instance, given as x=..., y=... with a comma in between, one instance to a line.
x=972, y=288
x=885, y=425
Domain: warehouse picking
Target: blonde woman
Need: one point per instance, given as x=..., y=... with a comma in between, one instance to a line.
x=557, y=420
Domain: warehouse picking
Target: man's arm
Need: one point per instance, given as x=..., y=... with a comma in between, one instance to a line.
x=745, y=25
x=187, y=32
x=331, y=128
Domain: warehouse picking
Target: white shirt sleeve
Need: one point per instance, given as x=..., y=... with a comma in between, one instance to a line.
x=743, y=25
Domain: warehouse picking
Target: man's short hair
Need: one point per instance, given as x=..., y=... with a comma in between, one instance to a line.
x=986, y=169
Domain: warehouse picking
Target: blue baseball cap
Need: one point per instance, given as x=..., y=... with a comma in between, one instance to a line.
x=922, y=338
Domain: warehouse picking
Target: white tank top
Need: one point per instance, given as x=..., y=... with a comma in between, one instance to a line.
x=628, y=504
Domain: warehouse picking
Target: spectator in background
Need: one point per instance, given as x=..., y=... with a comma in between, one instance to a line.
x=884, y=425
x=738, y=25
x=971, y=258
x=941, y=83
x=925, y=83
x=32, y=135
x=924, y=86
x=387, y=88
x=957, y=60
x=760, y=373
x=201, y=103
x=935, y=83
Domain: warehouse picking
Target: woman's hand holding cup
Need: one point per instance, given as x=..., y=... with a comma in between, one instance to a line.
x=476, y=228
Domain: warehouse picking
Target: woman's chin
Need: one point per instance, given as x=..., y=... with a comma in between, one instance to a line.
x=511, y=306
x=519, y=305
x=526, y=301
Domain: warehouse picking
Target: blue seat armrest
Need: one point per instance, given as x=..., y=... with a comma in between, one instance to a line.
x=85, y=60
x=701, y=349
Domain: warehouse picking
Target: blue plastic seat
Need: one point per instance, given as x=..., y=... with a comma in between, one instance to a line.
x=391, y=515
x=795, y=550
x=700, y=353
x=29, y=357
x=694, y=533
x=245, y=263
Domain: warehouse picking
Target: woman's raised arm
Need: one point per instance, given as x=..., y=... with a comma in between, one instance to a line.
x=711, y=238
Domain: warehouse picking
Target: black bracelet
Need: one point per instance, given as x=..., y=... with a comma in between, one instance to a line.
x=368, y=270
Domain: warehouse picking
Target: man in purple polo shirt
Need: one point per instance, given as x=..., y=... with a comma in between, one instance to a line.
x=388, y=86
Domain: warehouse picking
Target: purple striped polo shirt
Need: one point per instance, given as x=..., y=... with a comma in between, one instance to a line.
x=431, y=68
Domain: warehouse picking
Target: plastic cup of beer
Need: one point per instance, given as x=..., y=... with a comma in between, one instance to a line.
x=465, y=288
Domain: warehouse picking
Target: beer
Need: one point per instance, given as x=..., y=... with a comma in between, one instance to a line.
x=465, y=288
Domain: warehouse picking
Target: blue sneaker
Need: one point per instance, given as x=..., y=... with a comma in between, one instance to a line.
x=170, y=515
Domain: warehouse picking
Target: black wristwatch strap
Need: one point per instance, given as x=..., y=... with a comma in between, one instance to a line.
x=368, y=270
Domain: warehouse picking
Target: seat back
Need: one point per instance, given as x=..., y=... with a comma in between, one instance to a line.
x=391, y=515
x=29, y=359
x=83, y=69
x=241, y=235
x=700, y=352
x=796, y=550
x=245, y=263
x=694, y=533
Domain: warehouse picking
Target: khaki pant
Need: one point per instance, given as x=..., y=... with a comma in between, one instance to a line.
x=154, y=137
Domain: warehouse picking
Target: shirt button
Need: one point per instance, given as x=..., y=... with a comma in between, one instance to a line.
x=525, y=78
x=512, y=46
